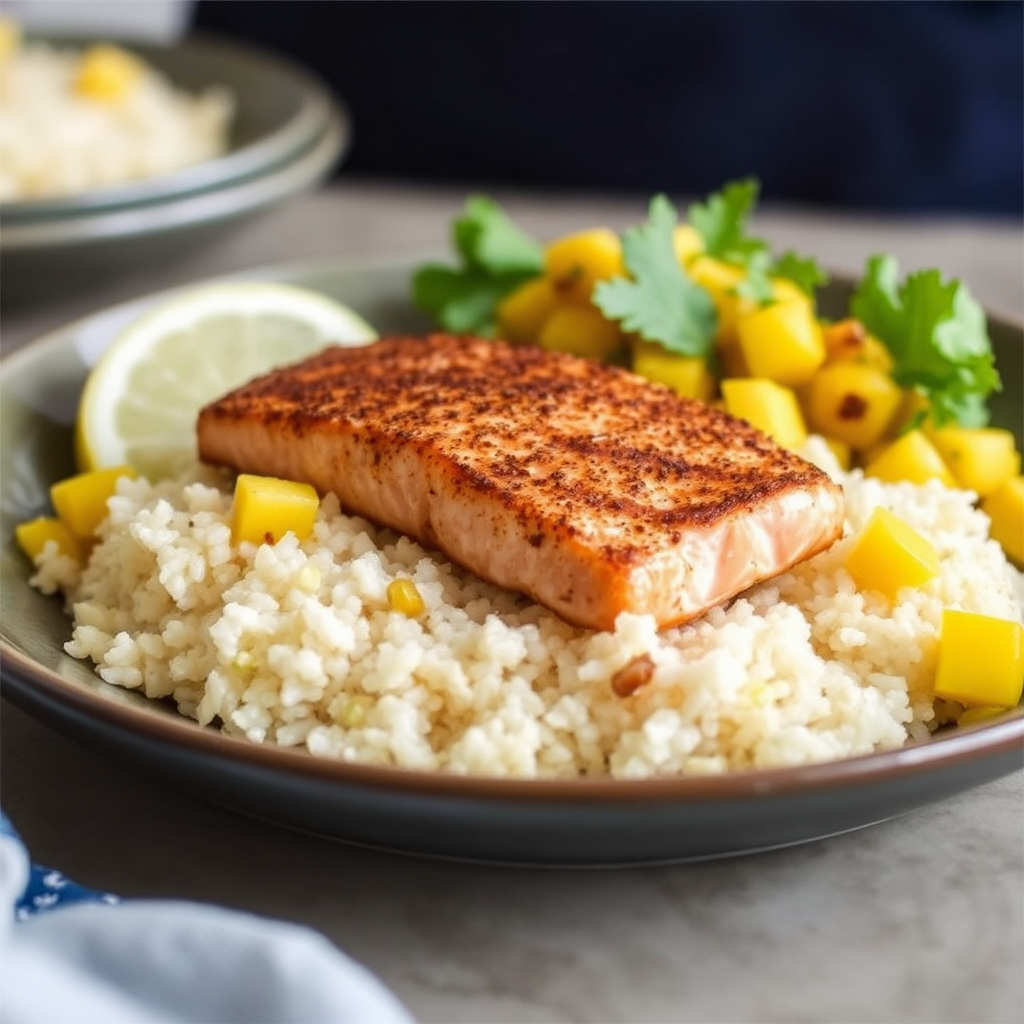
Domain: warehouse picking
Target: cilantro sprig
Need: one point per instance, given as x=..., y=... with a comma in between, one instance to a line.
x=936, y=333
x=496, y=257
x=658, y=301
x=722, y=222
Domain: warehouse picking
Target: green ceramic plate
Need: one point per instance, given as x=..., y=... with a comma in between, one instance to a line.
x=577, y=822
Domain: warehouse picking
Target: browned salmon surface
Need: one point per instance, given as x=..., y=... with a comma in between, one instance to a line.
x=582, y=485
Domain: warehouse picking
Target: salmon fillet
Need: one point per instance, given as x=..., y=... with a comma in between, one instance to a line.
x=582, y=485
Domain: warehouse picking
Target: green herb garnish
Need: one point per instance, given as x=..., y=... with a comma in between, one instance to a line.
x=937, y=336
x=496, y=257
x=659, y=301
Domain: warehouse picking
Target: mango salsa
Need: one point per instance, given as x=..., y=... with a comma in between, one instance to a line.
x=910, y=457
x=981, y=659
x=980, y=459
x=686, y=375
x=768, y=406
x=889, y=555
x=81, y=501
x=265, y=509
x=581, y=330
x=782, y=342
x=852, y=402
x=522, y=313
x=33, y=536
x=575, y=263
x=1005, y=507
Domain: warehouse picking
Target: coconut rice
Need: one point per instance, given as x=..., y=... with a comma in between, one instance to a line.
x=293, y=644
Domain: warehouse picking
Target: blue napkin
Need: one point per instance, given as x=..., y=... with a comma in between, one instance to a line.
x=68, y=953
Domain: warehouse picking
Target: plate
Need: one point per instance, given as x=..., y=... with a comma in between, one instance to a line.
x=584, y=822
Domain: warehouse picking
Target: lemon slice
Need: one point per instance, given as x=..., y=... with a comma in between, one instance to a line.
x=142, y=398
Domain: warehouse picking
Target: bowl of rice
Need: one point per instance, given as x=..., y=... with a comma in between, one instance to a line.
x=110, y=154
x=281, y=685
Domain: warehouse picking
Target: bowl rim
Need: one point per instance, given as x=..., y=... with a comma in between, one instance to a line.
x=317, y=105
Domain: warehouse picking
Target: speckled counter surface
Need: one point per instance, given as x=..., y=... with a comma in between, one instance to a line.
x=918, y=919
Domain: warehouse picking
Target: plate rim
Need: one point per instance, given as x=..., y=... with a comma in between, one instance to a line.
x=20, y=674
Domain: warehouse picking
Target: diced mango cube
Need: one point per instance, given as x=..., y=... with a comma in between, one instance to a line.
x=768, y=406
x=575, y=263
x=1005, y=507
x=889, y=555
x=841, y=450
x=521, y=314
x=265, y=509
x=33, y=536
x=852, y=402
x=782, y=342
x=581, y=330
x=910, y=457
x=686, y=375
x=107, y=73
x=721, y=280
x=980, y=458
x=81, y=500
x=981, y=713
x=981, y=659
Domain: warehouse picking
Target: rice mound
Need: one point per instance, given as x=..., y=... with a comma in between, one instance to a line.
x=294, y=644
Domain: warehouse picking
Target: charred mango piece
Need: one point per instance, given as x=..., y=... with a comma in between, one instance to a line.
x=889, y=555
x=910, y=457
x=980, y=459
x=265, y=509
x=981, y=659
x=852, y=402
x=848, y=340
x=575, y=263
x=81, y=501
x=768, y=406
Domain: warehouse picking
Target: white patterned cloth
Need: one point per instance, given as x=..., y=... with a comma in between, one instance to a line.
x=70, y=955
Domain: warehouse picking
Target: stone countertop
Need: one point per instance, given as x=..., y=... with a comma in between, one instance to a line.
x=917, y=919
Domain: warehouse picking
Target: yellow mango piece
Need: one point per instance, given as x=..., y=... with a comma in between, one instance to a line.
x=852, y=402
x=889, y=555
x=981, y=713
x=847, y=340
x=575, y=263
x=721, y=279
x=1005, y=507
x=521, y=314
x=107, y=73
x=33, y=536
x=768, y=406
x=910, y=457
x=782, y=342
x=81, y=501
x=10, y=38
x=581, y=330
x=686, y=243
x=404, y=597
x=981, y=659
x=265, y=509
x=979, y=458
x=686, y=375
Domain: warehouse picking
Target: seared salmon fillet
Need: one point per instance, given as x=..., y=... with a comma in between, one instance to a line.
x=582, y=485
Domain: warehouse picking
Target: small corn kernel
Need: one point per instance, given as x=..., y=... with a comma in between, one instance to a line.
x=265, y=509
x=33, y=536
x=81, y=500
x=244, y=661
x=353, y=713
x=889, y=555
x=981, y=659
x=768, y=406
x=107, y=73
x=404, y=597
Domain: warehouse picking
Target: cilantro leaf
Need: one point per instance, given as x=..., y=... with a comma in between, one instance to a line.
x=722, y=222
x=757, y=285
x=496, y=257
x=804, y=271
x=659, y=302
x=936, y=334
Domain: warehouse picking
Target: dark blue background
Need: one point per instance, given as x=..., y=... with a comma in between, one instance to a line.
x=888, y=106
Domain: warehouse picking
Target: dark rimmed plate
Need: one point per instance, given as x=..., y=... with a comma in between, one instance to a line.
x=573, y=822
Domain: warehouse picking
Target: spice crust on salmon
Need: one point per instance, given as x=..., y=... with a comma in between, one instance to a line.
x=582, y=485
